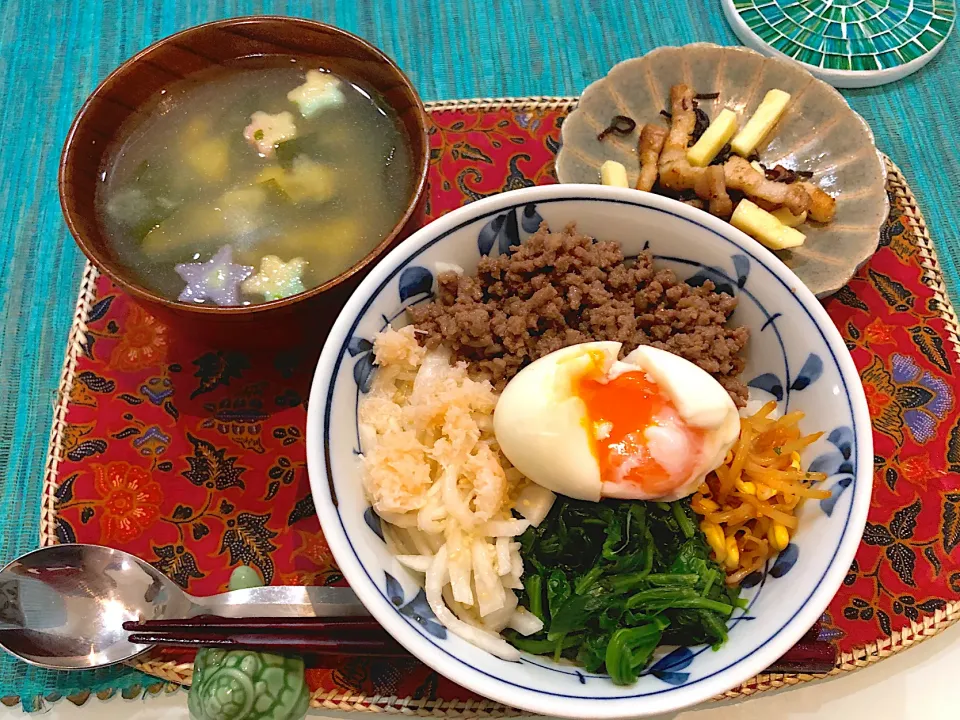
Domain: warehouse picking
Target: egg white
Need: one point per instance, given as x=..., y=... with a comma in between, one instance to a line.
x=542, y=427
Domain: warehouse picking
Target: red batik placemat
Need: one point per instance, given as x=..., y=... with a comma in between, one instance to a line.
x=193, y=458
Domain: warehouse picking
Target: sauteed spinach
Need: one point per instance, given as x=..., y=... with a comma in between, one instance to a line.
x=614, y=580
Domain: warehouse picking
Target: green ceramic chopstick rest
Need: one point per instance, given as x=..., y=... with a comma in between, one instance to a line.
x=246, y=685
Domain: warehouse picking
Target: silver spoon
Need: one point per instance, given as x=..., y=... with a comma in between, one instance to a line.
x=62, y=607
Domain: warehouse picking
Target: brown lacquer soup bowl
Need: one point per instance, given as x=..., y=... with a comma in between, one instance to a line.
x=138, y=86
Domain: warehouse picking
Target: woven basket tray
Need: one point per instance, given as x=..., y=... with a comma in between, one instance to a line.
x=210, y=445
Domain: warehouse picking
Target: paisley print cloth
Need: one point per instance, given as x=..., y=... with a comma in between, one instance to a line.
x=193, y=457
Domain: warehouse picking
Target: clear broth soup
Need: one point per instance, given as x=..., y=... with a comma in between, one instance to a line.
x=293, y=164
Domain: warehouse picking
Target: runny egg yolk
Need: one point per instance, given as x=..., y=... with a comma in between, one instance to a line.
x=641, y=443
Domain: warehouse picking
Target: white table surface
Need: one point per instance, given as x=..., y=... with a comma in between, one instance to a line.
x=918, y=684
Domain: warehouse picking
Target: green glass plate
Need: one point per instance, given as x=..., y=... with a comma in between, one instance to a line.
x=847, y=43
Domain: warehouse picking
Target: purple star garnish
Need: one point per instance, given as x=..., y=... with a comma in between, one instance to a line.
x=218, y=279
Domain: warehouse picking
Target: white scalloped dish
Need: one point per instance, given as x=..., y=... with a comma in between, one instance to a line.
x=818, y=133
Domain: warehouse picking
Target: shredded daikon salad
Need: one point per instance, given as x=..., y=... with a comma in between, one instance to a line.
x=435, y=474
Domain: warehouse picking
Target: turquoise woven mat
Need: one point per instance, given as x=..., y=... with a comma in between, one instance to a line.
x=53, y=53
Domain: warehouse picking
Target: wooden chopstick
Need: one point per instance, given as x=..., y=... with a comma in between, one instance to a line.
x=364, y=636
x=384, y=646
x=811, y=657
x=213, y=623
x=306, y=635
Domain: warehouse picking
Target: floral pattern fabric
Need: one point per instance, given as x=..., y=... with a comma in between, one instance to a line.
x=193, y=457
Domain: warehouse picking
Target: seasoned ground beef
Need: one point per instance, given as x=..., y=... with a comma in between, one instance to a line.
x=562, y=288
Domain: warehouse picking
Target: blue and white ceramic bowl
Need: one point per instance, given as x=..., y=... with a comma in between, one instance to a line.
x=795, y=355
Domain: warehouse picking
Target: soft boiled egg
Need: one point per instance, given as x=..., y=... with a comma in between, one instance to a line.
x=586, y=425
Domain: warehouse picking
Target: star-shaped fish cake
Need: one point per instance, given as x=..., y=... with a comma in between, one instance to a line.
x=277, y=279
x=320, y=91
x=218, y=279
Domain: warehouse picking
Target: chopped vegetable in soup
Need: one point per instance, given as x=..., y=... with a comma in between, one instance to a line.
x=297, y=171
